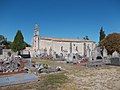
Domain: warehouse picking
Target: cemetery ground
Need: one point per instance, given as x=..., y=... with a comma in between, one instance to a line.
x=73, y=77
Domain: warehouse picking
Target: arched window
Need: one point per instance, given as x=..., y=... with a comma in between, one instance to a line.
x=73, y=57
x=98, y=57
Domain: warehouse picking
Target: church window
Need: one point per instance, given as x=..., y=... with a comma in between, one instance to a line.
x=61, y=54
x=61, y=48
x=76, y=48
x=73, y=57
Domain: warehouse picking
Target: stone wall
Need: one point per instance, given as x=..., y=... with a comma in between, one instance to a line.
x=61, y=46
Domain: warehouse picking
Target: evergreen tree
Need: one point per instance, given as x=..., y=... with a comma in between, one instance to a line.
x=86, y=38
x=102, y=34
x=18, y=43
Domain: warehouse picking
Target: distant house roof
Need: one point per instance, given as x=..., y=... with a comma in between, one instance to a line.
x=65, y=39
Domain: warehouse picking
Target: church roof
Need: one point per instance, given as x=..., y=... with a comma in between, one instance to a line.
x=65, y=39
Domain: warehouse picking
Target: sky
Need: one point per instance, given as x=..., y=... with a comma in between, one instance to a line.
x=59, y=18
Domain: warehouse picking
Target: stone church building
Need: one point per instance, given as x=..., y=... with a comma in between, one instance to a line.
x=61, y=46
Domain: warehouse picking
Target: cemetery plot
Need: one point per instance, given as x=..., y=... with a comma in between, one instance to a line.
x=14, y=64
x=74, y=77
x=17, y=79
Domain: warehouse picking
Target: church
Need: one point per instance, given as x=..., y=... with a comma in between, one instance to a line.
x=61, y=46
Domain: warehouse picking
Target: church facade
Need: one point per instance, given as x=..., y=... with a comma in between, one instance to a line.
x=61, y=46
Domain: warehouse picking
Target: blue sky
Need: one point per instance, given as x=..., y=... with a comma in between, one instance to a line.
x=59, y=18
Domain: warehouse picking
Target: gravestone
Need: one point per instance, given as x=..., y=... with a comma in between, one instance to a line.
x=54, y=55
x=96, y=53
x=106, y=59
x=72, y=58
x=97, y=59
x=88, y=51
x=115, y=61
x=115, y=54
x=104, y=52
x=17, y=79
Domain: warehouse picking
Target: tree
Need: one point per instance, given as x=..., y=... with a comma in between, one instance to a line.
x=102, y=34
x=2, y=38
x=9, y=44
x=86, y=38
x=3, y=41
x=6, y=44
x=111, y=43
x=18, y=43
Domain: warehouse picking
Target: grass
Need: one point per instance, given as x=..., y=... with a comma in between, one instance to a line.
x=70, y=68
x=53, y=81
